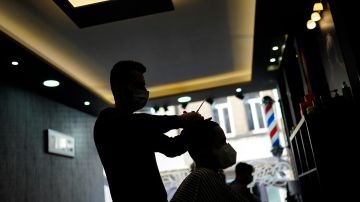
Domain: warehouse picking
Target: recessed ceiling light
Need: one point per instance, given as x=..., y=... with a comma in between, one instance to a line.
x=238, y=90
x=184, y=99
x=86, y=103
x=15, y=63
x=272, y=60
x=272, y=67
x=85, y=13
x=51, y=83
x=78, y=3
x=275, y=48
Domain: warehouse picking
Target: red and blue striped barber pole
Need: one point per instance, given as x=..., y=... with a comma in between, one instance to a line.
x=272, y=126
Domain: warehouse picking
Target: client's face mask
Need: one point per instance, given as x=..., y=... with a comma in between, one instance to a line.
x=139, y=99
x=226, y=155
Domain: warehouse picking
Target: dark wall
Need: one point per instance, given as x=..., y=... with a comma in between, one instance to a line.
x=346, y=21
x=27, y=172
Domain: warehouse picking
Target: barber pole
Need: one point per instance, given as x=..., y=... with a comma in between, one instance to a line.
x=272, y=126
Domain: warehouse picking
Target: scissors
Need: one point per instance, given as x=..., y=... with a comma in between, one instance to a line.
x=207, y=119
x=200, y=106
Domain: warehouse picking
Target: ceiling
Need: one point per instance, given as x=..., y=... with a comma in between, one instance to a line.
x=200, y=48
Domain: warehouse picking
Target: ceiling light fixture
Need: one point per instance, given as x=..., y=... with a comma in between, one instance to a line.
x=277, y=50
x=210, y=100
x=184, y=99
x=318, y=7
x=85, y=13
x=78, y=3
x=184, y=104
x=238, y=90
x=15, y=63
x=239, y=95
x=272, y=68
x=166, y=108
x=87, y=103
x=310, y=24
x=315, y=16
x=156, y=108
x=51, y=83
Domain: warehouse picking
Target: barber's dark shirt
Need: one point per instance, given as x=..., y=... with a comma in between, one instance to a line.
x=126, y=144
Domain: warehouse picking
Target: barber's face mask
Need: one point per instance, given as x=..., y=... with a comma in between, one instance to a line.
x=139, y=99
x=226, y=155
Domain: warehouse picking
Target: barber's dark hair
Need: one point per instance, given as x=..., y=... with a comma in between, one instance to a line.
x=120, y=73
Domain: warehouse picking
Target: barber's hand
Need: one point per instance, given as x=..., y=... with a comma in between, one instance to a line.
x=189, y=118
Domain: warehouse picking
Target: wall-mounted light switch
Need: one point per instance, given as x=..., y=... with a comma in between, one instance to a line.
x=59, y=143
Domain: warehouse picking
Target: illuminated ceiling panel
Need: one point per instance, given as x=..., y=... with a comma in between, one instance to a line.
x=98, y=12
x=78, y=3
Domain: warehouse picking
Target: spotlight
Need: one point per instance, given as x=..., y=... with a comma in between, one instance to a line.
x=315, y=16
x=210, y=100
x=310, y=24
x=239, y=95
x=165, y=108
x=156, y=108
x=318, y=7
x=184, y=104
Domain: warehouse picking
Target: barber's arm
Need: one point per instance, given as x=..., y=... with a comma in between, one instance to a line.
x=156, y=126
x=164, y=123
x=169, y=146
x=175, y=146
